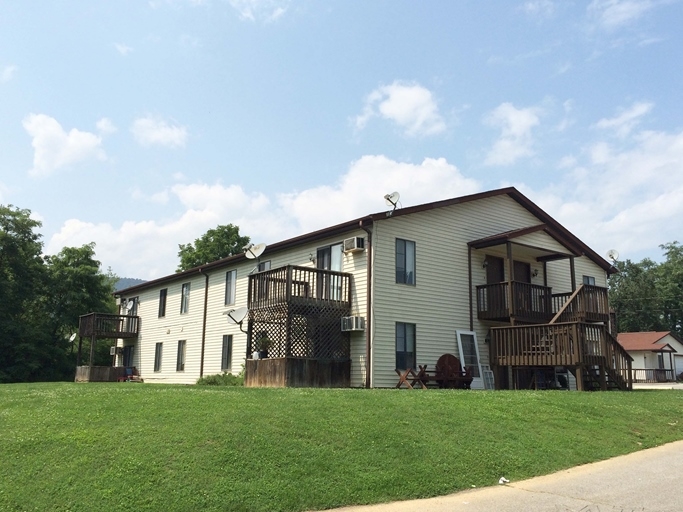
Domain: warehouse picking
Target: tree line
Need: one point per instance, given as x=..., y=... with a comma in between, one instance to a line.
x=41, y=299
x=648, y=296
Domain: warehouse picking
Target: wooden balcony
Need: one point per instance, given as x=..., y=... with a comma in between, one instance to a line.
x=588, y=304
x=301, y=285
x=571, y=344
x=652, y=375
x=104, y=325
x=531, y=303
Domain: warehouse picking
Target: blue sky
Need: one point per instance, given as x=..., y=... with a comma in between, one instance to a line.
x=139, y=124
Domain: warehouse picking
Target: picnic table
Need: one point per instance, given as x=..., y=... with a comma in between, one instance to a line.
x=448, y=373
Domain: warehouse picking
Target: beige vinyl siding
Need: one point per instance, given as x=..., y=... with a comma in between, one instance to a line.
x=169, y=330
x=439, y=304
x=175, y=326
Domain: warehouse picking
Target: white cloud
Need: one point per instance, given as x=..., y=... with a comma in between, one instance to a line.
x=105, y=126
x=148, y=249
x=409, y=105
x=515, y=140
x=7, y=73
x=614, y=14
x=627, y=120
x=628, y=199
x=55, y=149
x=257, y=10
x=123, y=49
x=539, y=8
x=150, y=131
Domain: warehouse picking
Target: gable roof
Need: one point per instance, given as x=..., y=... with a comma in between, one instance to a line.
x=550, y=225
x=648, y=341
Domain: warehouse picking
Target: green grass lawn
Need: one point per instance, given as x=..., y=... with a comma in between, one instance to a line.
x=128, y=446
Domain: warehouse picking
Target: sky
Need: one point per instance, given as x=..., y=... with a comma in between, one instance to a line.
x=139, y=125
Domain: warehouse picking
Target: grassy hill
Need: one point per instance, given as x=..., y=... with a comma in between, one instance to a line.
x=68, y=446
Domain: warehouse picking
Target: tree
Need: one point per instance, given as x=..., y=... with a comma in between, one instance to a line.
x=215, y=244
x=77, y=286
x=41, y=299
x=22, y=274
x=648, y=296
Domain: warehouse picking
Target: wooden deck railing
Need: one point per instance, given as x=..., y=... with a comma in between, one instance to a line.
x=560, y=344
x=652, y=375
x=530, y=302
x=104, y=325
x=588, y=303
x=302, y=284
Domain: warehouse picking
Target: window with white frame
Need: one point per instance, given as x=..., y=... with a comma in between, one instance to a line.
x=158, y=351
x=180, y=363
x=230, y=284
x=185, y=298
x=163, y=293
x=405, y=261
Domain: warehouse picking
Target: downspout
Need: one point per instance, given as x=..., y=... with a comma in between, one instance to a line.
x=206, y=306
x=368, y=303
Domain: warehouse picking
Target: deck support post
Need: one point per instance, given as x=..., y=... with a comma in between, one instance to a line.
x=579, y=378
x=572, y=270
x=93, y=340
x=603, y=378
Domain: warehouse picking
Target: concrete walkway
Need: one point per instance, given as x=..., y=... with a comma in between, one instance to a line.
x=645, y=481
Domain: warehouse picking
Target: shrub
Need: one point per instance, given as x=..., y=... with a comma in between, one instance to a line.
x=221, y=379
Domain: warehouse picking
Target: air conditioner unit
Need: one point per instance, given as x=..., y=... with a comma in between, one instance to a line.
x=354, y=244
x=352, y=323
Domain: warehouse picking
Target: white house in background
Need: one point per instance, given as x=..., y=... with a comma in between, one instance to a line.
x=490, y=278
x=657, y=356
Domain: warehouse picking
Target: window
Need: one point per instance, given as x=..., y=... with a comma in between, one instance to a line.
x=185, y=298
x=264, y=265
x=589, y=280
x=230, y=279
x=157, y=357
x=162, y=302
x=330, y=258
x=405, y=346
x=180, y=365
x=405, y=261
x=226, y=358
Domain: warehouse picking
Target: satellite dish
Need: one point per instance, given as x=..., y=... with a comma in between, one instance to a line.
x=613, y=254
x=236, y=316
x=252, y=251
x=72, y=337
x=129, y=305
x=392, y=199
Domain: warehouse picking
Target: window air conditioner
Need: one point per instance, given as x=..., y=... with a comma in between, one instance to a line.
x=352, y=323
x=354, y=244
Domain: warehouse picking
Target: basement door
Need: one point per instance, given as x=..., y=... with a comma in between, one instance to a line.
x=469, y=356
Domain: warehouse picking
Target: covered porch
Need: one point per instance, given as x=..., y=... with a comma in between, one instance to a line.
x=516, y=272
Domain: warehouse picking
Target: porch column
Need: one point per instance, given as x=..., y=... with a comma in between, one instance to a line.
x=572, y=270
x=671, y=365
x=511, y=295
x=469, y=274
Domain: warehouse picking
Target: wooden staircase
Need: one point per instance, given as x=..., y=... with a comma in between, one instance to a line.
x=607, y=366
